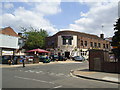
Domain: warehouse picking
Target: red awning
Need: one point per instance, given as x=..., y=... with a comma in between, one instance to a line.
x=39, y=51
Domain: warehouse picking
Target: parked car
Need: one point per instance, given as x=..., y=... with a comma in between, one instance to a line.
x=41, y=58
x=62, y=58
x=30, y=58
x=54, y=57
x=78, y=58
x=58, y=58
x=44, y=59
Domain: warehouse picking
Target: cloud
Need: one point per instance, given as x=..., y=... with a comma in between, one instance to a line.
x=22, y=17
x=8, y=5
x=100, y=13
x=48, y=8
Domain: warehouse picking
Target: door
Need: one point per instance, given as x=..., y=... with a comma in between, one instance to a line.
x=67, y=54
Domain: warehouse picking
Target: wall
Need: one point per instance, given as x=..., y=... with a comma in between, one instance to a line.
x=99, y=60
x=7, y=41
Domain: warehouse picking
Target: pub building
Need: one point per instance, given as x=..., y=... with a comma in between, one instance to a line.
x=73, y=43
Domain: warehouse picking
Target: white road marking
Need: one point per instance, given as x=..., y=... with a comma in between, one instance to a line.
x=26, y=71
x=31, y=71
x=57, y=87
x=52, y=74
x=37, y=72
x=33, y=79
x=60, y=74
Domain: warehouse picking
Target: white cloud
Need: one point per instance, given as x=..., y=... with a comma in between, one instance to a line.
x=48, y=8
x=8, y=5
x=22, y=17
x=100, y=13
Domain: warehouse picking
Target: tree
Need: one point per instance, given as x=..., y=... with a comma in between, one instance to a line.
x=35, y=38
x=116, y=39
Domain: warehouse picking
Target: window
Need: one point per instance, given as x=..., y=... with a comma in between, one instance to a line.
x=70, y=42
x=81, y=42
x=67, y=40
x=64, y=42
x=107, y=46
x=91, y=44
x=85, y=43
x=95, y=44
x=99, y=45
x=103, y=45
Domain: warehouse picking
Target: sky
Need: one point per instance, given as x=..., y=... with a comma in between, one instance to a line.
x=93, y=17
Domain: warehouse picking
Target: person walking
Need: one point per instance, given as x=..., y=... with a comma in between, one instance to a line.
x=23, y=61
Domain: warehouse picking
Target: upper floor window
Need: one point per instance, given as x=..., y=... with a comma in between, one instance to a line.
x=99, y=45
x=91, y=44
x=81, y=42
x=67, y=40
x=107, y=46
x=103, y=45
x=95, y=44
x=85, y=43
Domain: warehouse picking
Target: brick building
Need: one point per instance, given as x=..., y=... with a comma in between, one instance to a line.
x=72, y=43
x=10, y=43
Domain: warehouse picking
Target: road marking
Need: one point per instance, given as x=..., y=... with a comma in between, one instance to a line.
x=26, y=71
x=33, y=79
x=52, y=74
x=37, y=72
x=57, y=87
x=31, y=71
x=60, y=74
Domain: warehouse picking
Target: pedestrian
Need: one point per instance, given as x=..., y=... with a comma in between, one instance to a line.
x=9, y=62
x=23, y=61
x=12, y=62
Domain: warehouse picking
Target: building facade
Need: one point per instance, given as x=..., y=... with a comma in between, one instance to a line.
x=10, y=44
x=8, y=41
x=72, y=43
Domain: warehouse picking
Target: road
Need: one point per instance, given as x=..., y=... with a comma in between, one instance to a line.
x=50, y=76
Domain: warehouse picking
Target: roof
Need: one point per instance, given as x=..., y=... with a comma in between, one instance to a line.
x=8, y=31
x=68, y=32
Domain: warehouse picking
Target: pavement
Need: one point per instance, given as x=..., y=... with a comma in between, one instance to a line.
x=96, y=75
x=40, y=63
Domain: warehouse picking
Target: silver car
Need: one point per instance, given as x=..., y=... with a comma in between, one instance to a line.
x=78, y=58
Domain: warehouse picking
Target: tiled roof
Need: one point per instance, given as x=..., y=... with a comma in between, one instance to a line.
x=68, y=32
x=8, y=31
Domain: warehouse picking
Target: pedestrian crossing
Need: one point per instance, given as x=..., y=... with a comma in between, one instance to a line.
x=48, y=73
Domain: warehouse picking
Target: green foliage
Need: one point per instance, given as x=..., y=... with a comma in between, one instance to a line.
x=116, y=40
x=35, y=38
x=116, y=37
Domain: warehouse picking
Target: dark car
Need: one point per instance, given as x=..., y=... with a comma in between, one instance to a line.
x=57, y=58
x=62, y=58
x=54, y=57
x=44, y=59
x=78, y=58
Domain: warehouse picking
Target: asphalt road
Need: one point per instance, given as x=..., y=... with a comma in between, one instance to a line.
x=50, y=76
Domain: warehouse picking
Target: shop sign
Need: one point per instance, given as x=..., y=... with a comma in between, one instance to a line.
x=7, y=52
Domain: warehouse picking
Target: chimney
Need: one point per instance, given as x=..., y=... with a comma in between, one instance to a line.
x=20, y=34
x=102, y=36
